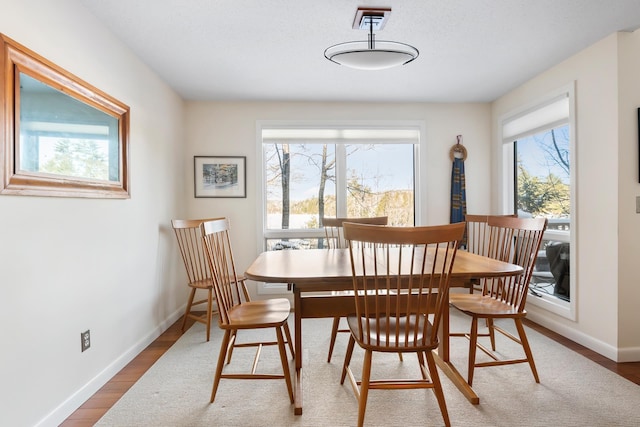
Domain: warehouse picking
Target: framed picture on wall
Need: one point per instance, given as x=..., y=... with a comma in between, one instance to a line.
x=220, y=176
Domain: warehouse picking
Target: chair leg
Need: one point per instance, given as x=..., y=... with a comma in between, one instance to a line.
x=492, y=333
x=527, y=348
x=347, y=358
x=209, y=312
x=188, y=310
x=437, y=387
x=421, y=362
x=473, y=341
x=287, y=333
x=231, y=344
x=285, y=362
x=221, y=357
x=334, y=335
x=364, y=387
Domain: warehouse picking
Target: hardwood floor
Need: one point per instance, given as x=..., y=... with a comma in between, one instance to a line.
x=630, y=370
x=94, y=408
x=98, y=404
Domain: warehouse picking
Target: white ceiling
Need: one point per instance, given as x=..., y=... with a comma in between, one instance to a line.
x=470, y=50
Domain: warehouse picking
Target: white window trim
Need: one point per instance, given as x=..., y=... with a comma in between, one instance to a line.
x=555, y=305
x=420, y=192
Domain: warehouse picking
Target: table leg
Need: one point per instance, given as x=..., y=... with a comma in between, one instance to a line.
x=297, y=396
x=457, y=379
x=443, y=351
x=444, y=362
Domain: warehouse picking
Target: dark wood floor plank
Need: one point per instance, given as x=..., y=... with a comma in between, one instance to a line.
x=97, y=405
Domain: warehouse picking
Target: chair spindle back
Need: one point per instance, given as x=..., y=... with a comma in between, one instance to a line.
x=517, y=241
x=228, y=286
x=400, y=279
x=190, y=243
x=334, y=232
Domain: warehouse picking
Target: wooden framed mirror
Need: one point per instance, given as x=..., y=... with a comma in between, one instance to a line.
x=60, y=135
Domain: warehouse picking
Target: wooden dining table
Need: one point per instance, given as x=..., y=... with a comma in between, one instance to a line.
x=321, y=280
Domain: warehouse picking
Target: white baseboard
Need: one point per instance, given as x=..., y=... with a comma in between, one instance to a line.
x=629, y=354
x=66, y=408
x=581, y=338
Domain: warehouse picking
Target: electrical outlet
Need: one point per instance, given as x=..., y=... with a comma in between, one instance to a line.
x=85, y=340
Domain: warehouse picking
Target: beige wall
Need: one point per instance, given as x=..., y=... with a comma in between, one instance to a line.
x=67, y=265
x=628, y=190
x=229, y=128
x=606, y=165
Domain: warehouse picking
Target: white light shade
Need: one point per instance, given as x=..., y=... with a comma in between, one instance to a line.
x=360, y=55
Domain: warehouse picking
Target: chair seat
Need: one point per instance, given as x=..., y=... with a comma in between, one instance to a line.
x=259, y=314
x=484, y=306
x=208, y=283
x=202, y=284
x=411, y=343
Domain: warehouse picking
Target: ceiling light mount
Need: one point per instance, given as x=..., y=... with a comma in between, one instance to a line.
x=366, y=17
x=371, y=54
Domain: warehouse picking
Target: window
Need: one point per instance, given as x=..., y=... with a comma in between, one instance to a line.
x=61, y=136
x=538, y=159
x=311, y=172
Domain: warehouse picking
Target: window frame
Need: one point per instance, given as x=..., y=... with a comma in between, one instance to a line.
x=263, y=233
x=16, y=59
x=566, y=309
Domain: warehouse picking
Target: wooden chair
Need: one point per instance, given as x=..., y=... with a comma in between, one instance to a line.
x=195, y=262
x=400, y=281
x=335, y=240
x=236, y=312
x=515, y=240
x=477, y=240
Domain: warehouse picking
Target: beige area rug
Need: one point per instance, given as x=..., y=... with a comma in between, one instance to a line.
x=573, y=390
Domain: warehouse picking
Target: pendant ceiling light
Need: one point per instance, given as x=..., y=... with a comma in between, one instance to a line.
x=371, y=54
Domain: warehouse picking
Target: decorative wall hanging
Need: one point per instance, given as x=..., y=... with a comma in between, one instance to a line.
x=220, y=176
x=458, y=154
